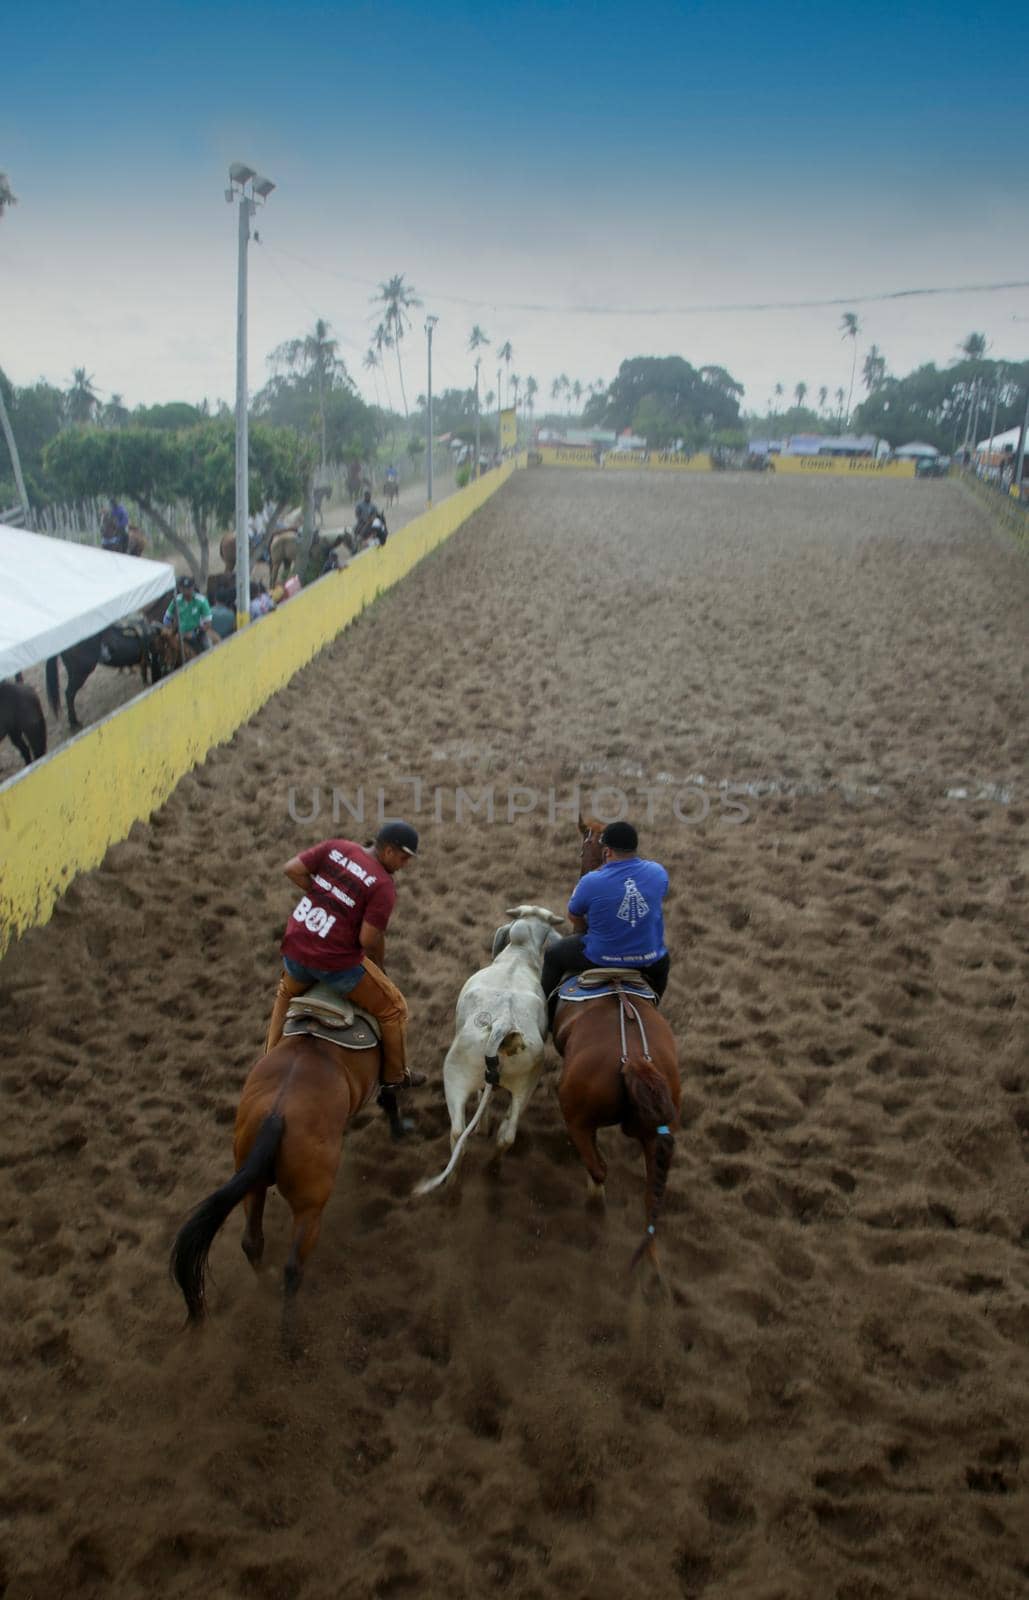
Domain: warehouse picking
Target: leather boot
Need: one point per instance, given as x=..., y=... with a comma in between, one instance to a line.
x=288, y=990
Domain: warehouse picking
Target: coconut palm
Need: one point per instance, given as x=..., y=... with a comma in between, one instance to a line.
x=974, y=347
x=382, y=340
x=840, y=397
x=531, y=391
x=371, y=364
x=516, y=383
x=7, y=195
x=800, y=391
x=577, y=393
x=823, y=395
x=317, y=355
x=851, y=328
x=873, y=369
x=477, y=340
x=82, y=399
x=505, y=354
x=778, y=391
x=397, y=298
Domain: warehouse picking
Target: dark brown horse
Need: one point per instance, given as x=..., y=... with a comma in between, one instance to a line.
x=123, y=644
x=620, y=1068
x=22, y=720
x=293, y=1113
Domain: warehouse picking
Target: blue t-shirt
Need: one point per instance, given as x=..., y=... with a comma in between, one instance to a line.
x=622, y=904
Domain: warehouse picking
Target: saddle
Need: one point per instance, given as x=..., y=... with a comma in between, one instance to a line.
x=598, y=981
x=328, y=1015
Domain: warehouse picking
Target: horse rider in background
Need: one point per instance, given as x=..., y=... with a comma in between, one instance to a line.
x=114, y=528
x=191, y=614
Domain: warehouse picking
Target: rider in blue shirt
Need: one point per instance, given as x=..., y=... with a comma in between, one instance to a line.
x=616, y=914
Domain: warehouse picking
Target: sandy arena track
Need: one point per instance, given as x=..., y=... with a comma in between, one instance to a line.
x=831, y=1401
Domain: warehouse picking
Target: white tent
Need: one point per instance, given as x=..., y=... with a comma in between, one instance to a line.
x=1001, y=441
x=914, y=449
x=55, y=593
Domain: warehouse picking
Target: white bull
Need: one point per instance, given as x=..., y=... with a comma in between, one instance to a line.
x=501, y=1029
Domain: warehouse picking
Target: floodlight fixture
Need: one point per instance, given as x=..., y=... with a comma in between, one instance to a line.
x=240, y=173
x=263, y=187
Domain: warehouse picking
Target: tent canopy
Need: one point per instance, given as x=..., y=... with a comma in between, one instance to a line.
x=1001, y=441
x=56, y=593
x=916, y=448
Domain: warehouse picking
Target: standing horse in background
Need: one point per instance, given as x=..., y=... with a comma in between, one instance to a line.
x=123, y=644
x=137, y=541
x=391, y=491
x=620, y=1066
x=22, y=720
x=227, y=551
x=282, y=556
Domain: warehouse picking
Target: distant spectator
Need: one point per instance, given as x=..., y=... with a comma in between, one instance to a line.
x=223, y=619
x=261, y=603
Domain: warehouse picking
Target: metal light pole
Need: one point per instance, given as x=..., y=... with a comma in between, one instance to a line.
x=1020, y=460
x=430, y=323
x=247, y=187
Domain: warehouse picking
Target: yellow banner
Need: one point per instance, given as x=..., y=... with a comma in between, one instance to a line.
x=627, y=458
x=566, y=455
x=508, y=429
x=844, y=466
x=672, y=461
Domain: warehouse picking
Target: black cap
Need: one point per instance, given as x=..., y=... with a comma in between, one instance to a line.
x=620, y=836
x=400, y=834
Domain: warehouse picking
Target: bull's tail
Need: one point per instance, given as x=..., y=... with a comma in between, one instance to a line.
x=195, y=1237
x=53, y=686
x=655, y=1114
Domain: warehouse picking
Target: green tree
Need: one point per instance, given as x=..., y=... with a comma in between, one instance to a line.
x=823, y=395
x=800, y=390
x=314, y=356
x=851, y=328
x=779, y=393
x=532, y=389
x=688, y=404
x=397, y=298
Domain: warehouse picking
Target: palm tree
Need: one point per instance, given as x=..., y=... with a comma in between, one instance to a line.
x=577, y=394
x=115, y=412
x=840, y=397
x=516, y=382
x=505, y=354
x=555, y=390
x=7, y=199
x=315, y=353
x=397, y=298
x=476, y=341
x=800, y=391
x=81, y=399
x=823, y=395
x=851, y=328
x=873, y=369
x=531, y=391
x=974, y=347
x=778, y=391
x=382, y=340
x=371, y=364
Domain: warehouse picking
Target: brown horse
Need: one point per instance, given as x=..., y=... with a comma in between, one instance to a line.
x=620, y=1067
x=391, y=491
x=137, y=540
x=227, y=551
x=292, y=1116
x=22, y=720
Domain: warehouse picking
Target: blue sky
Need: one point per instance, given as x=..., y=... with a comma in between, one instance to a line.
x=559, y=156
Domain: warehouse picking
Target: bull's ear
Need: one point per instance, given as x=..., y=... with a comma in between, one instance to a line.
x=500, y=940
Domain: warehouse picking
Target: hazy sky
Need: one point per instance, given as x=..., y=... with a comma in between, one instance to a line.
x=573, y=177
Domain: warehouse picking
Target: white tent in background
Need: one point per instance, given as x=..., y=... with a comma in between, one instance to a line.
x=916, y=448
x=55, y=593
x=1000, y=441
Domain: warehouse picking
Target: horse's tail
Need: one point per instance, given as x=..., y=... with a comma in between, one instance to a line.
x=53, y=686
x=652, y=1102
x=195, y=1237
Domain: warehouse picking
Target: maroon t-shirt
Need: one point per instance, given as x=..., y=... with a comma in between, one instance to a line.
x=348, y=887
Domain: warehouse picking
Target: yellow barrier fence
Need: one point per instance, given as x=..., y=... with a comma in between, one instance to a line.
x=843, y=467
x=59, y=817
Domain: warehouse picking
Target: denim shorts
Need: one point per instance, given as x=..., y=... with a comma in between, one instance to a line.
x=342, y=981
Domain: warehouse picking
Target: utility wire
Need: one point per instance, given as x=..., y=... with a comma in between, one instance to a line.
x=734, y=307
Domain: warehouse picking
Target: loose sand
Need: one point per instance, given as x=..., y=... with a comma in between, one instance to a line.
x=830, y=1401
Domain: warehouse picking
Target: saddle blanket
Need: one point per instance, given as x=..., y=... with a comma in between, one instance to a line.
x=328, y=1015
x=585, y=986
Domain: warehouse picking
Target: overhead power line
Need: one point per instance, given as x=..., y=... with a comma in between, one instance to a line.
x=728, y=307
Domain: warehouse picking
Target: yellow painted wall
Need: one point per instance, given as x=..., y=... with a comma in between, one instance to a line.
x=571, y=455
x=62, y=814
x=843, y=467
x=668, y=461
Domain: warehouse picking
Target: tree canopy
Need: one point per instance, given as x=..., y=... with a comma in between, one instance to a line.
x=664, y=398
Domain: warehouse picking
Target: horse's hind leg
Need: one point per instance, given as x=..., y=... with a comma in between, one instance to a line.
x=584, y=1138
x=21, y=745
x=253, y=1233
x=306, y=1227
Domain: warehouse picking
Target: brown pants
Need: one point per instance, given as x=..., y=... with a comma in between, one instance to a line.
x=375, y=994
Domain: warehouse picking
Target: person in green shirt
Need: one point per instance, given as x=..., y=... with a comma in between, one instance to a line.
x=191, y=614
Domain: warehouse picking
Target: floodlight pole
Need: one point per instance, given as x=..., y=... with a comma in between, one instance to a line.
x=242, y=438
x=244, y=186
x=430, y=323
